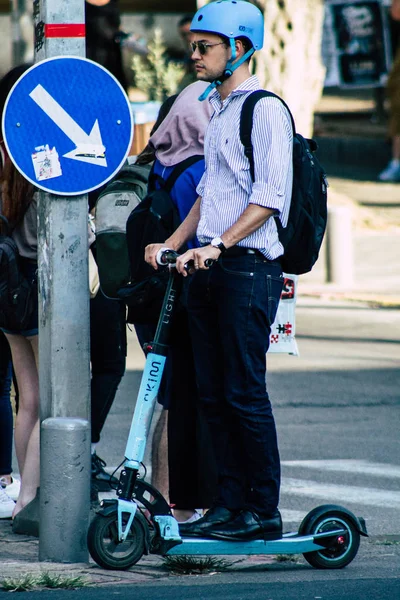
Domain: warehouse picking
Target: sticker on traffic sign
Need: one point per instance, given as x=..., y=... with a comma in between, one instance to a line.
x=67, y=125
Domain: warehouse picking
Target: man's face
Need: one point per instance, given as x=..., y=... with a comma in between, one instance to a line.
x=211, y=65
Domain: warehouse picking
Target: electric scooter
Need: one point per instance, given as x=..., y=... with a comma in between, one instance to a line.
x=140, y=520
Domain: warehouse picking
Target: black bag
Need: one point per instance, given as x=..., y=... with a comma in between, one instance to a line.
x=16, y=292
x=303, y=235
x=152, y=221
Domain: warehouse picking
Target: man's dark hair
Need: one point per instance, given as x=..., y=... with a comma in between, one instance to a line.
x=247, y=45
x=185, y=19
x=7, y=82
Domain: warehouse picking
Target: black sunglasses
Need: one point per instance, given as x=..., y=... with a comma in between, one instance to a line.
x=202, y=46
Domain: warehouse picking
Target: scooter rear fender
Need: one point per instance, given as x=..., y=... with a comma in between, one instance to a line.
x=316, y=513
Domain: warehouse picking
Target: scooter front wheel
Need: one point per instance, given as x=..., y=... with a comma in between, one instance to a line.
x=342, y=550
x=105, y=547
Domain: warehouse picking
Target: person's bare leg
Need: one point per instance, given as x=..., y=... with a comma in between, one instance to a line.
x=396, y=147
x=24, y=353
x=27, y=428
x=182, y=514
x=30, y=478
x=159, y=456
x=159, y=464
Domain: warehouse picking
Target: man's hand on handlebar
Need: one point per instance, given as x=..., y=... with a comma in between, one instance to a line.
x=150, y=254
x=199, y=258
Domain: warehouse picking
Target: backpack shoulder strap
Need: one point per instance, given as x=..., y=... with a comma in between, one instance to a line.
x=168, y=184
x=179, y=169
x=246, y=122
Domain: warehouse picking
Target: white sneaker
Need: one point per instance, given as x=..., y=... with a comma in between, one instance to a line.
x=6, y=505
x=12, y=489
x=391, y=172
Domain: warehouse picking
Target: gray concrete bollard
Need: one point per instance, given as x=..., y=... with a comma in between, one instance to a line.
x=64, y=490
x=339, y=247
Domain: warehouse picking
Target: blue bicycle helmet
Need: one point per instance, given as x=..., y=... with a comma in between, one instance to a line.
x=231, y=19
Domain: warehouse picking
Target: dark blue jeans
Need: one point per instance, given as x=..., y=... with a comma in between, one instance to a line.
x=232, y=307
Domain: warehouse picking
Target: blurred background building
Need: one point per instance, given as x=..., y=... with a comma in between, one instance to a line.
x=357, y=50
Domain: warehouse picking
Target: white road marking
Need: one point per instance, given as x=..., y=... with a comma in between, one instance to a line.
x=342, y=493
x=362, y=467
x=292, y=516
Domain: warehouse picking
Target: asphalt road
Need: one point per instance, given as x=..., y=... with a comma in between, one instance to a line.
x=359, y=589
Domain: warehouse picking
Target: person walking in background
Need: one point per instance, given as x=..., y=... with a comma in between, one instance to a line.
x=19, y=206
x=186, y=36
x=392, y=171
x=107, y=316
x=233, y=304
x=178, y=136
x=103, y=36
x=9, y=485
x=108, y=348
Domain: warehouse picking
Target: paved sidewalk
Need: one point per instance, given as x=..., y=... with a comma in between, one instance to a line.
x=375, y=213
x=19, y=557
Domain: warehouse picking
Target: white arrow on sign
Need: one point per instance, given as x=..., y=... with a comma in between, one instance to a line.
x=89, y=148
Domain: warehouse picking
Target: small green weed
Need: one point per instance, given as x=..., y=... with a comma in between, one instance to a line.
x=286, y=558
x=53, y=581
x=22, y=584
x=192, y=565
x=42, y=580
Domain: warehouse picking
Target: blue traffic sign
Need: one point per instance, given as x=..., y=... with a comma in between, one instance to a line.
x=67, y=125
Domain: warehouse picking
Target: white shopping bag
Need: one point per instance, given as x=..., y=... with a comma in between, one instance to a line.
x=282, y=338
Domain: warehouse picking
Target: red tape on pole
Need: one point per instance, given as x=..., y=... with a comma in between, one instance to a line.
x=64, y=30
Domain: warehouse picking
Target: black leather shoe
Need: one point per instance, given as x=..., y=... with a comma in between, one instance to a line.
x=216, y=516
x=250, y=526
x=103, y=480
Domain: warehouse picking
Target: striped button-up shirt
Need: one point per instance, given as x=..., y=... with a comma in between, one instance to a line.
x=226, y=188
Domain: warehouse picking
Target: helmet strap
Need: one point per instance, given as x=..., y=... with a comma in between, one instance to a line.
x=229, y=69
x=231, y=66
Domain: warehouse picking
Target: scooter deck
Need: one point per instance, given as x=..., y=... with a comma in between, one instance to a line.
x=289, y=543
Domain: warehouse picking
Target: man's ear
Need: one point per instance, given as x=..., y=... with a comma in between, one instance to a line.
x=240, y=50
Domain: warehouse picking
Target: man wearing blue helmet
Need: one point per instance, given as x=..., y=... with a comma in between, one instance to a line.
x=233, y=304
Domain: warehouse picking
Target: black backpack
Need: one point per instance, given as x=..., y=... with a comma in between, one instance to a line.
x=113, y=207
x=152, y=221
x=16, y=292
x=303, y=235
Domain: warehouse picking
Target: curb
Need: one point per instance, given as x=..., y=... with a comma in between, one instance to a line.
x=367, y=299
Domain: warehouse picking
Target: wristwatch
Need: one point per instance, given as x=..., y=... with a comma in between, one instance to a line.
x=218, y=243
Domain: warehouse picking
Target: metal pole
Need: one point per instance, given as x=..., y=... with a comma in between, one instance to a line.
x=63, y=517
x=64, y=372
x=18, y=43
x=339, y=247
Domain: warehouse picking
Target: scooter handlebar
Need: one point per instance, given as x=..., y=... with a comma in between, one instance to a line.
x=166, y=256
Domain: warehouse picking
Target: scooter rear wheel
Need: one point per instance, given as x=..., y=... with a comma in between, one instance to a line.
x=107, y=550
x=343, y=550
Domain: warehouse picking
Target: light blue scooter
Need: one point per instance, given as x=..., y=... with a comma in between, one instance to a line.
x=120, y=533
